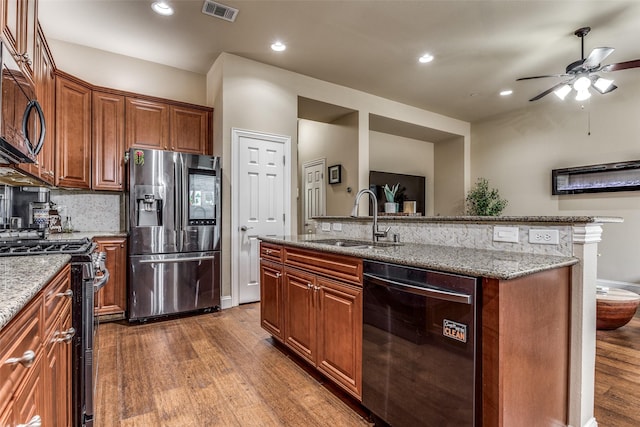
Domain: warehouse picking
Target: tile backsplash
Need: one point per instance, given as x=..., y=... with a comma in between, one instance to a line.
x=91, y=211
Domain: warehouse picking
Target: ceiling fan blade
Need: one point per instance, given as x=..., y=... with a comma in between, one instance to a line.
x=596, y=56
x=548, y=91
x=621, y=66
x=542, y=77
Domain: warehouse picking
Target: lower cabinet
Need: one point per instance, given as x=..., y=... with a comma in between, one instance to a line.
x=35, y=360
x=316, y=315
x=112, y=298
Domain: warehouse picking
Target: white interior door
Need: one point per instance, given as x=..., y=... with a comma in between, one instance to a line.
x=314, y=190
x=262, y=201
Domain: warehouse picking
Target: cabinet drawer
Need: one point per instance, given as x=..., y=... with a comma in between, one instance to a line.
x=272, y=252
x=327, y=264
x=56, y=294
x=22, y=334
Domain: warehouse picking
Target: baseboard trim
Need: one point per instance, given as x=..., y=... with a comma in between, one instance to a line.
x=225, y=302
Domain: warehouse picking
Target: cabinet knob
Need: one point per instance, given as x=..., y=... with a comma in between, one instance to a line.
x=309, y=286
x=33, y=422
x=278, y=275
x=26, y=360
x=66, y=337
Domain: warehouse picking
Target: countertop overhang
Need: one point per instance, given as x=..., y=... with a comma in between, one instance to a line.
x=529, y=220
x=501, y=265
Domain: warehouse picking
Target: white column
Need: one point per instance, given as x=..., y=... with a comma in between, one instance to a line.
x=583, y=325
x=363, y=158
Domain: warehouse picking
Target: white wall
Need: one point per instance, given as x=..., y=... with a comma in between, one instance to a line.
x=396, y=154
x=129, y=74
x=517, y=152
x=449, y=177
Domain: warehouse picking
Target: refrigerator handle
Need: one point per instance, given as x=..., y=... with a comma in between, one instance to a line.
x=177, y=202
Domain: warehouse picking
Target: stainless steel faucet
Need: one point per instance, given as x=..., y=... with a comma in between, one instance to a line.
x=375, y=234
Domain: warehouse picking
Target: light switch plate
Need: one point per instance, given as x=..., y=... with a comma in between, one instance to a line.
x=337, y=226
x=326, y=226
x=505, y=234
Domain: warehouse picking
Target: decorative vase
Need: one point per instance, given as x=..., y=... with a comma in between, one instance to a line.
x=390, y=207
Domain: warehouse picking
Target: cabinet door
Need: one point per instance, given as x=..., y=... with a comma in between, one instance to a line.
x=45, y=89
x=19, y=29
x=340, y=334
x=112, y=298
x=73, y=134
x=12, y=23
x=190, y=130
x=271, y=303
x=29, y=396
x=300, y=315
x=147, y=124
x=108, y=141
x=58, y=373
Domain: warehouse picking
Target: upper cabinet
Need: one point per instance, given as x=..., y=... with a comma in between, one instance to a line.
x=73, y=133
x=108, y=141
x=19, y=28
x=168, y=126
x=190, y=130
x=147, y=124
x=44, y=78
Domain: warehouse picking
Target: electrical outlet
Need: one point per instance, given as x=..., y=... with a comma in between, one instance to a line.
x=337, y=226
x=544, y=236
x=505, y=234
x=326, y=226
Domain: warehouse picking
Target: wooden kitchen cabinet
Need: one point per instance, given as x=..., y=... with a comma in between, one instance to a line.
x=57, y=348
x=271, y=297
x=170, y=126
x=147, y=124
x=111, y=300
x=319, y=314
x=19, y=27
x=108, y=145
x=73, y=132
x=190, y=131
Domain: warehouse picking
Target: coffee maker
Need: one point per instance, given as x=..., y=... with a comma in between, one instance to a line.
x=31, y=205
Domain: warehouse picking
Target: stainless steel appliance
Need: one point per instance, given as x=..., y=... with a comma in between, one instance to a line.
x=174, y=228
x=420, y=347
x=22, y=125
x=88, y=276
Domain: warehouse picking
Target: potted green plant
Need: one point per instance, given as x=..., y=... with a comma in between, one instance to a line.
x=390, y=194
x=484, y=201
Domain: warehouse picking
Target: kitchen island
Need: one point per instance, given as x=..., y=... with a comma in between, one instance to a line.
x=532, y=276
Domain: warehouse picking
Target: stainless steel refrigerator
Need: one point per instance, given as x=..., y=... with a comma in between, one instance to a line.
x=174, y=227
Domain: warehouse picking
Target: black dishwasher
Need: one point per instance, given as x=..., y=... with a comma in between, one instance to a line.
x=420, y=349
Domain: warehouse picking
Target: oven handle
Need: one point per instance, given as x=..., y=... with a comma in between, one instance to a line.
x=170, y=260
x=99, y=284
x=426, y=292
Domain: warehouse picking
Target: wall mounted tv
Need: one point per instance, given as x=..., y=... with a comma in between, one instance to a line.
x=412, y=187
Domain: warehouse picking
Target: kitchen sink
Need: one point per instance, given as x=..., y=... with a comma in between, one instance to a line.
x=355, y=244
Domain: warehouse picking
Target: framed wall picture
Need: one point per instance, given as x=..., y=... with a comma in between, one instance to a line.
x=335, y=174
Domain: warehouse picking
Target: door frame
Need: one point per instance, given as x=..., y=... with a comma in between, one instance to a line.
x=303, y=211
x=236, y=134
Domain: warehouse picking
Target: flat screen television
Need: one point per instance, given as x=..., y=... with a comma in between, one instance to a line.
x=412, y=187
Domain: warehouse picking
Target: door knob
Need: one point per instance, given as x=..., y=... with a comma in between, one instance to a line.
x=245, y=228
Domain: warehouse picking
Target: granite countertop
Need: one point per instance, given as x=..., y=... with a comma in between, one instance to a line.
x=548, y=220
x=82, y=234
x=21, y=277
x=473, y=262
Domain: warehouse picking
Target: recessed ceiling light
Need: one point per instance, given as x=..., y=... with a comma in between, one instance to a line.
x=427, y=57
x=162, y=8
x=506, y=92
x=278, y=46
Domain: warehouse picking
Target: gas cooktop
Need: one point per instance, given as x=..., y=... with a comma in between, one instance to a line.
x=34, y=247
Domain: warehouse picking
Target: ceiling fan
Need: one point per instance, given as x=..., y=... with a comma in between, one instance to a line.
x=582, y=75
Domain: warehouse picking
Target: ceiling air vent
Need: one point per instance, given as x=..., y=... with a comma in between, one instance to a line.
x=219, y=11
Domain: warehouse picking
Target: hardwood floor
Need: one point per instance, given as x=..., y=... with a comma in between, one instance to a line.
x=217, y=369
x=617, y=394
x=223, y=370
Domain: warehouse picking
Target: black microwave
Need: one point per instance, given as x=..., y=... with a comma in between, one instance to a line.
x=22, y=125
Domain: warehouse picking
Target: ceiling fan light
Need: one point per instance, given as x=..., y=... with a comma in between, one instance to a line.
x=603, y=85
x=562, y=91
x=582, y=83
x=583, y=95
